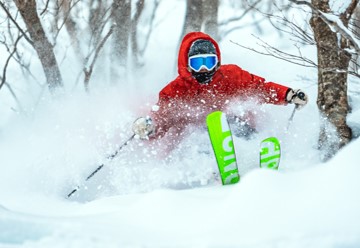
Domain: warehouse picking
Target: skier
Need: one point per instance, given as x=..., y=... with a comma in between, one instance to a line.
x=203, y=86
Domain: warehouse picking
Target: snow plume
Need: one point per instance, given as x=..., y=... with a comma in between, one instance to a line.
x=53, y=151
x=62, y=140
x=74, y=136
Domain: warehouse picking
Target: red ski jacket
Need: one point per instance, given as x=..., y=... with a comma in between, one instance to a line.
x=185, y=101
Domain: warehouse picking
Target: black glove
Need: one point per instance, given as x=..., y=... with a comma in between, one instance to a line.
x=297, y=97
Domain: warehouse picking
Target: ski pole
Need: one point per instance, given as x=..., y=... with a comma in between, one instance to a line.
x=301, y=95
x=291, y=118
x=110, y=157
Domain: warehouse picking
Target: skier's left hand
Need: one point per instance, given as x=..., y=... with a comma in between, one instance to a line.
x=143, y=127
x=297, y=97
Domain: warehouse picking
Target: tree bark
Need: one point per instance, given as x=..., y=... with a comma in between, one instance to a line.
x=193, y=17
x=71, y=28
x=96, y=20
x=210, y=16
x=332, y=99
x=134, y=43
x=354, y=65
x=42, y=46
x=121, y=14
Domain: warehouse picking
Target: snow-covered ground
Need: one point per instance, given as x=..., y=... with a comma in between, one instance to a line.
x=137, y=200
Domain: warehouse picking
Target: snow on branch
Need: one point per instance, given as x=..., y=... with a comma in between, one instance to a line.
x=334, y=22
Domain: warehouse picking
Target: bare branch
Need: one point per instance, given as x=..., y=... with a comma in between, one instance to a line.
x=88, y=71
x=18, y=59
x=152, y=18
x=98, y=30
x=252, y=8
x=234, y=19
x=345, y=17
x=336, y=26
x=65, y=20
x=46, y=6
x=14, y=96
x=134, y=22
x=273, y=52
x=3, y=80
x=225, y=33
x=16, y=24
x=295, y=30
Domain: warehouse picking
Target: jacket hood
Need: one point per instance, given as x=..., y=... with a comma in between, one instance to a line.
x=185, y=47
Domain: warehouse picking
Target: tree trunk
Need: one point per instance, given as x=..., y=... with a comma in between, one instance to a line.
x=210, y=13
x=354, y=65
x=134, y=43
x=332, y=100
x=96, y=20
x=193, y=17
x=71, y=28
x=122, y=17
x=41, y=44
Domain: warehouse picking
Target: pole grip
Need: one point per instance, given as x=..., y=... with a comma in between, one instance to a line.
x=301, y=95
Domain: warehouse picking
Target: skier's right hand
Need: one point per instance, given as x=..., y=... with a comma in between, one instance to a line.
x=143, y=127
x=297, y=97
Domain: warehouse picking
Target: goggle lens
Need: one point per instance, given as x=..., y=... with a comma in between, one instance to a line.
x=207, y=61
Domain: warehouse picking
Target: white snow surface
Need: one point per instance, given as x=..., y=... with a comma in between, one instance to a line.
x=140, y=200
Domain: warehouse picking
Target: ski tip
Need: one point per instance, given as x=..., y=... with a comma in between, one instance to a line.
x=270, y=153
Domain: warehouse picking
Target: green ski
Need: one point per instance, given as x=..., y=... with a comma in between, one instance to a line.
x=270, y=153
x=222, y=143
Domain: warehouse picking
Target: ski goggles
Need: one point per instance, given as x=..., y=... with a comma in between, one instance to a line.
x=207, y=61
